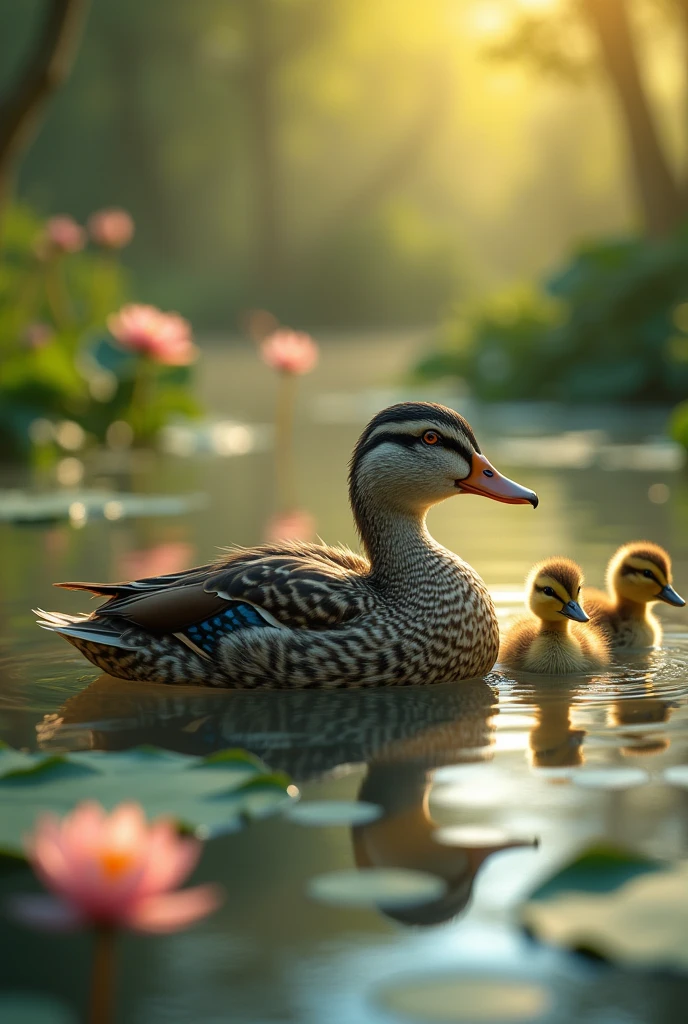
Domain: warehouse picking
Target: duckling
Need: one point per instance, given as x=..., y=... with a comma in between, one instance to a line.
x=548, y=645
x=638, y=575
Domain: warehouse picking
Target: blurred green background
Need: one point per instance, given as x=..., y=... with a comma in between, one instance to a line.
x=512, y=173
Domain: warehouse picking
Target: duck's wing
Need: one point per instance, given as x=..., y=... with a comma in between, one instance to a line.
x=298, y=589
x=298, y=585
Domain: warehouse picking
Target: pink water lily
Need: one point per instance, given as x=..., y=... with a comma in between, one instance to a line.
x=163, y=337
x=111, y=228
x=112, y=870
x=62, y=233
x=289, y=351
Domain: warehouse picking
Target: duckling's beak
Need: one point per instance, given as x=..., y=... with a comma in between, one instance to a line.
x=484, y=479
x=573, y=610
x=669, y=596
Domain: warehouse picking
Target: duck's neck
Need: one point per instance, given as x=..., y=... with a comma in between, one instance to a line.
x=395, y=540
x=631, y=609
x=560, y=627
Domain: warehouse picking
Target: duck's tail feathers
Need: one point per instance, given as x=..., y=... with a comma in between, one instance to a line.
x=81, y=627
x=97, y=589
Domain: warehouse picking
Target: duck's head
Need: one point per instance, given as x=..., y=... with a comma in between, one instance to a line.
x=415, y=454
x=641, y=572
x=553, y=589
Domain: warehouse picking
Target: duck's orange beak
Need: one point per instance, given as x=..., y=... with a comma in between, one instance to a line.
x=484, y=479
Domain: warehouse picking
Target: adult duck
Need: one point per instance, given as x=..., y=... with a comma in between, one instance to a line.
x=311, y=615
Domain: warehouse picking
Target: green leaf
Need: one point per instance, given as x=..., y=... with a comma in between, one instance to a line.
x=618, y=905
x=233, y=757
x=599, y=868
x=56, y=767
x=232, y=788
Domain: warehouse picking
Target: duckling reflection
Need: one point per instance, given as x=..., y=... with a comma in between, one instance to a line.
x=553, y=742
x=642, y=710
x=305, y=733
x=404, y=837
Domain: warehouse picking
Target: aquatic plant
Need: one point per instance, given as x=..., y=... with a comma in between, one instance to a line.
x=58, y=362
x=109, y=872
x=609, y=325
x=111, y=228
x=112, y=870
x=291, y=354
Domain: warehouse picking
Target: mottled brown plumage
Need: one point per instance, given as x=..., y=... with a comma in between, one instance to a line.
x=638, y=575
x=310, y=615
x=555, y=639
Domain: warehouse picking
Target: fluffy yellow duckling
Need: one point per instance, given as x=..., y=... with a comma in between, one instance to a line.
x=638, y=575
x=543, y=641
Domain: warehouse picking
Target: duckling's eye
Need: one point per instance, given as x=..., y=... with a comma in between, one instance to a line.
x=548, y=591
x=648, y=574
x=430, y=437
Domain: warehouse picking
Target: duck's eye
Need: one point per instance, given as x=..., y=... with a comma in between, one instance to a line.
x=648, y=574
x=430, y=437
x=548, y=591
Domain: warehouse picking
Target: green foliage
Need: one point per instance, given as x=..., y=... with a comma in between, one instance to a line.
x=57, y=361
x=678, y=424
x=610, y=325
x=232, y=786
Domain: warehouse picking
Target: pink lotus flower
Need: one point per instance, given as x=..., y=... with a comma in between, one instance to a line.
x=297, y=524
x=161, y=560
x=112, y=870
x=289, y=351
x=38, y=335
x=112, y=228
x=163, y=337
x=63, y=234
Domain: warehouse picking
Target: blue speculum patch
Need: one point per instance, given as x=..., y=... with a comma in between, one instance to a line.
x=237, y=616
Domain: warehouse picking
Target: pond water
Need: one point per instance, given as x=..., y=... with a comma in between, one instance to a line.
x=491, y=764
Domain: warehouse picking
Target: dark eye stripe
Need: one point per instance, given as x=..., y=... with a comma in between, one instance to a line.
x=628, y=570
x=412, y=441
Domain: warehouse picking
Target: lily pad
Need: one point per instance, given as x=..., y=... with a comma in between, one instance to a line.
x=471, y=836
x=610, y=778
x=644, y=923
x=677, y=776
x=24, y=1008
x=599, y=868
x=467, y=999
x=324, y=813
x=231, y=787
x=618, y=905
x=376, y=887
x=53, y=506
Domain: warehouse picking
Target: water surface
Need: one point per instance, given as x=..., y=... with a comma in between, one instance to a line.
x=491, y=758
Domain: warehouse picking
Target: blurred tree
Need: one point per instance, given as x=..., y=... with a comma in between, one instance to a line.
x=47, y=66
x=255, y=141
x=550, y=42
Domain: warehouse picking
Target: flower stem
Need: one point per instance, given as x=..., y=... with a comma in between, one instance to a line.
x=284, y=428
x=102, y=977
x=142, y=399
x=56, y=293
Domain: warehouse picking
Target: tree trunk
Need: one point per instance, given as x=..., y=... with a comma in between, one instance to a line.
x=46, y=70
x=682, y=6
x=658, y=191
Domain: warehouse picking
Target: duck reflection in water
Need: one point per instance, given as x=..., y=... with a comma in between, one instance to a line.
x=401, y=736
x=555, y=741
